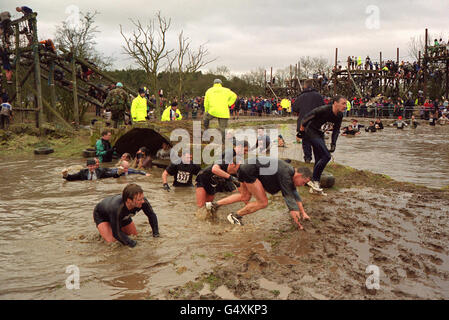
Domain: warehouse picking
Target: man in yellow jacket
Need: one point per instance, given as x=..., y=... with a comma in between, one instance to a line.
x=216, y=105
x=286, y=105
x=139, y=107
x=171, y=113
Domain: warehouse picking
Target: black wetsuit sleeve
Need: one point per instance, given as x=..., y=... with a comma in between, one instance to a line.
x=336, y=130
x=310, y=116
x=196, y=169
x=172, y=169
x=152, y=218
x=76, y=176
x=115, y=226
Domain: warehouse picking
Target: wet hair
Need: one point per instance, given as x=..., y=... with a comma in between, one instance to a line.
x=105, y=132
x=337, y=98
x=127, y=156
x=308, y=83
x=145, y=150
x=305, y=172
x=130, y=191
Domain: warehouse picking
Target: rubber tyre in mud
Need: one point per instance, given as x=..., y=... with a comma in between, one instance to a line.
x=89, y=153
x=43, y=150
x=327, y=180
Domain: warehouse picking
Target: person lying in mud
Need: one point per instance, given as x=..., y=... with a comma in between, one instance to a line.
x=92, y=172
x=125, y=170
x=399, y=124
x=349, y=131
x=371, y=127
x=113, y=215
x=256, y=183
x=182, y=172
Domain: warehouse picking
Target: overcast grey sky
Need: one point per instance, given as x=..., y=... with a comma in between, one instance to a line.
x=246, y=34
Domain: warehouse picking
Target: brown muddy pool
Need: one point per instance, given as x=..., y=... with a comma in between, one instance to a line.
x=46, y=223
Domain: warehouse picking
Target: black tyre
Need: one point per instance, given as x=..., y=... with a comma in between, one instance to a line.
x=327, y=180
x=43, y=150
x=89, y=153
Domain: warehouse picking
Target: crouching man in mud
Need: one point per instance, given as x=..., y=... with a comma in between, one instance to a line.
x=255, y=182
x=113, y=215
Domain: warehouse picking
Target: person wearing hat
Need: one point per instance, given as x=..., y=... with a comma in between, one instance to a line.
x=171, y=113
x=118, y=102
x=139, y=107
x=217, y=101
x=92, y=172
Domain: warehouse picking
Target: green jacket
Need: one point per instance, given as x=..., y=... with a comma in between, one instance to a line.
x=101, y=152
x=218, y=100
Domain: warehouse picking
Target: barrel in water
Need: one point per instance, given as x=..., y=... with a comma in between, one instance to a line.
x=327, y=180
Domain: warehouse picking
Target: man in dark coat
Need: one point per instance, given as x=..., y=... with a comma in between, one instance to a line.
x=308, y=100
x=91, y=173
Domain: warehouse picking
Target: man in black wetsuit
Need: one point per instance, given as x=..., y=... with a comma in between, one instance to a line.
x=113, y=215
x=308, y=100
x=93, y=172
x=314, y=124
x=255, y=182
x=182, y=172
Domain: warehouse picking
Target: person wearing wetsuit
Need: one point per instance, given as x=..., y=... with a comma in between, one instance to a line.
x=182, y=172
x=93, y=172
x=113, y=215
x=379, y=125
x=399, y=124
x=307, y=101
x=314, y=124
x=371, y=127
x=349, y=131
x=256, y=179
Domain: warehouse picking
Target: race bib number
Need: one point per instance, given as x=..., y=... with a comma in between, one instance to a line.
x=183, y=177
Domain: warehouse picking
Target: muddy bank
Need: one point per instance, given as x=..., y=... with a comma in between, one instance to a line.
x=366, y=219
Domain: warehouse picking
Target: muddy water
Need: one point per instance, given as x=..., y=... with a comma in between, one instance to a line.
x=420, y=156
x=46, y=225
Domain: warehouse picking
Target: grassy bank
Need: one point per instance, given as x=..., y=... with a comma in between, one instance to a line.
x=21, y=139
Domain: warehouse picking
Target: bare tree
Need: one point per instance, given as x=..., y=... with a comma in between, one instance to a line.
x=147, y=47
x=221, y=71
x=188, y=60
x=79, y=38
x=282, y=76
x=415, y=45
